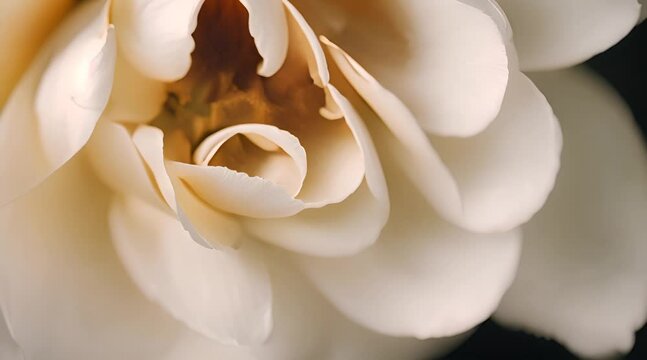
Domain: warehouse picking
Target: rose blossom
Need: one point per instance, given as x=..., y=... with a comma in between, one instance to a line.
x=338, y=180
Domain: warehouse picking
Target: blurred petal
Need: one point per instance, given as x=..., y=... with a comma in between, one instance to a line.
x=75, y=87
x=268, y=26
x=46, y=121
x=9, y=350
x=222, y=294
x=155, y=35
x=308, y=327
x=358, y=220
x=446, y=60
x=582, y=275
x=424, y=277
x=24, y=26
x=63, y=290
x=550, y=34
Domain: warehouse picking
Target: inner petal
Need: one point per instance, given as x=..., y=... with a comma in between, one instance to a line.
x=257, y=150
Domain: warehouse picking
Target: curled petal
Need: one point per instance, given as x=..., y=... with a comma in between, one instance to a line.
x=268, y=26
x=54, y=109
x=287, y=170
x=358, y=220
x=222, y=294
x=155, y=35
x=582, y=278
x=446, y=60
x=236, y=192
x=556, y=34
x=118, y=163
x=493, y=181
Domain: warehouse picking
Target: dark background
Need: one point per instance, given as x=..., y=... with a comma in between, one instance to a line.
x=624, y=66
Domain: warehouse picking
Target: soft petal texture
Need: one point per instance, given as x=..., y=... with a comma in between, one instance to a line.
x=551, y=34
x=9, y=350
x=74, y=89
x=135, y=98
x=308, y=327
x=29, y=152
x=117, y=162
x=149, y=142
x=236, y=192
x=24, y=26
x=155, y=35
x=582, y=278
x=424, y=277
x=446, y=60
x=480, y=183
x=63, y=289
x=506, y=172
x=357, y=221
x=287, y=170
x=222, y=294
x=268, y=26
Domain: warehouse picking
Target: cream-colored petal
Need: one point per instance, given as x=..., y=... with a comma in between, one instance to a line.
x=155, y=35
x=268, y=26
x=287, y=170
x=446, y=60
x=423, y=277
x=118, y=163
x=64, y=291
x=303, y=36
x=357, y=221
x=36, y=139
x=222, y=294
x=493, y=181
x=582, y=278
x=135, y=98
x=9, y=350
x=308, y=327
x=24, y=26
x=75, y=87
x=235, y=192
x=505, y=173
x=551, y=34
x=149, y=141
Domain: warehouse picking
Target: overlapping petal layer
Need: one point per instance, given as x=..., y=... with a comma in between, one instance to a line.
x=552, y=34
x=52, y=112
x=582, y=273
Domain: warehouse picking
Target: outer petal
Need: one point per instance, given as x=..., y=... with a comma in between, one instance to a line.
x=63, y=290
x=24, y=25
x=423, y=278
x=582, y=278
x=446, y=60
x=308, y=327
x=550, y=34
x=222, y=294
x=493, y=181
x=46, y=121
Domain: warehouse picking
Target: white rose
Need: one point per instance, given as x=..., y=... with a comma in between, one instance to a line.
x=191, y=179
